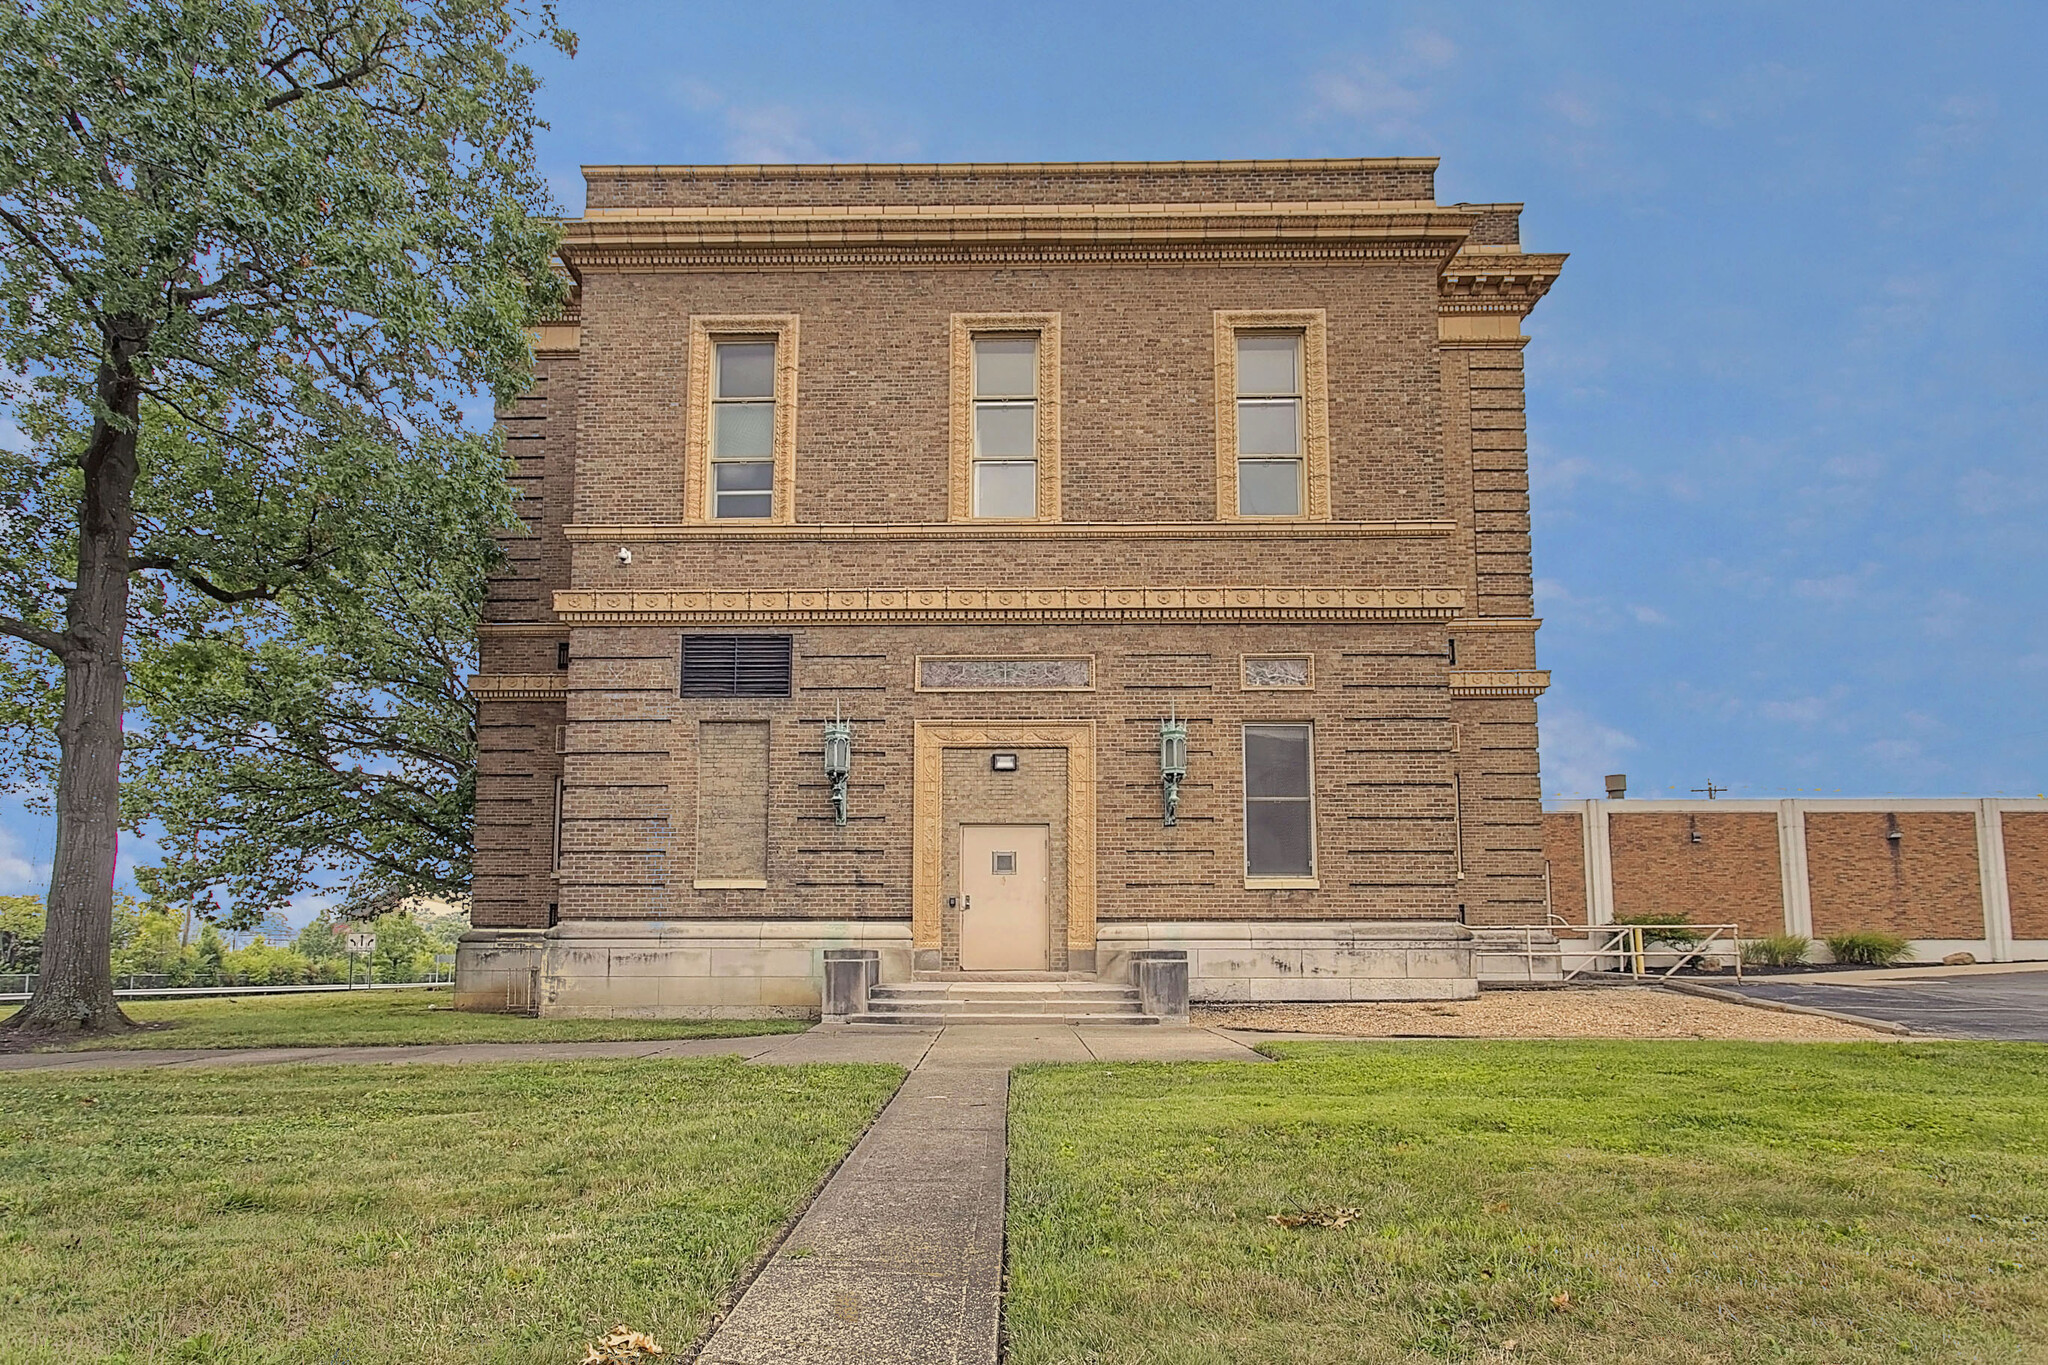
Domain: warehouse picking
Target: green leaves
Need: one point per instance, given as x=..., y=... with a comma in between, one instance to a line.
x=299, y=236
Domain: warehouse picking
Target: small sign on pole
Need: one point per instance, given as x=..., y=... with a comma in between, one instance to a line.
x=361, y=943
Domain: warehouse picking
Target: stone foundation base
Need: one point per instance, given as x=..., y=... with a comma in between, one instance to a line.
x=497, y=971
x=675, y=969
x=1273, y=960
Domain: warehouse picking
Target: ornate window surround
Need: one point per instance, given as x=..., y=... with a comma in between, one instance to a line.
x=965, y=327
x=1244, y=685
x=918, y=683
x=1313, y=325
x=705, y=332
x=930, y=740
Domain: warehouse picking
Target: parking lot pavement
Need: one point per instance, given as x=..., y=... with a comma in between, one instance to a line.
x=2006, y=1006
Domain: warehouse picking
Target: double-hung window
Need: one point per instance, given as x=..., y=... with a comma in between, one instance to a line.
x=1005, y=462
x=1269, y=424
x=743, y=430
x=1279, y=803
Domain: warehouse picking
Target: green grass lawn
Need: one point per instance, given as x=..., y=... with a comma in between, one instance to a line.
x=1595, y=1202
x=367, y=1017
x=502, y=1213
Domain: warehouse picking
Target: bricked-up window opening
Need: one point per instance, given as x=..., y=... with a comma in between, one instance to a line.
x=732, y=804
x=1006, y=426
x=743, y=430
x=1269, y=463
x=736, y=665
x=1279, y=805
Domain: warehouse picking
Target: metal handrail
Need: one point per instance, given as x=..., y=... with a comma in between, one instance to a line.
x=1628, y=942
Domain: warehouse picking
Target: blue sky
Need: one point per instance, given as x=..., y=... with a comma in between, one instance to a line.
x=1787, y=406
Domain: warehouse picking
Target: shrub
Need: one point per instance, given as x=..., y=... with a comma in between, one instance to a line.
x=1869, y=948
x=1664, y=928
x=1777, y=950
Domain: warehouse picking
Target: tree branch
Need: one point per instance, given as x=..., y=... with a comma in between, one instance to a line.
x=262, y=592
x=22, y=230
x=58, y=644
x=370, y=62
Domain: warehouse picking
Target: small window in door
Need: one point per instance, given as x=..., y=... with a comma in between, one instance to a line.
x=1004, y=864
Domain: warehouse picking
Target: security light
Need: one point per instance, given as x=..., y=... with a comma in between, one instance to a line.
x=1173, y=764
x=838, y=763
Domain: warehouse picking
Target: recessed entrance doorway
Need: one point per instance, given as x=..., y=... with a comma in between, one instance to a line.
x=1005, y=923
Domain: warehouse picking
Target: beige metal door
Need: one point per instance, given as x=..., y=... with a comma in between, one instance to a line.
x=1005, y=924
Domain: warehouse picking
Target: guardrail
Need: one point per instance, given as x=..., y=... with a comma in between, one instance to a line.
x=1633, y=946
x=185, y=992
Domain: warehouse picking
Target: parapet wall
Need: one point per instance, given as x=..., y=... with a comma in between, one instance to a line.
x=1949, y=875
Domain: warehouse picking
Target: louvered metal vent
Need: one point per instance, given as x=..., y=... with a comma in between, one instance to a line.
x=736, y=665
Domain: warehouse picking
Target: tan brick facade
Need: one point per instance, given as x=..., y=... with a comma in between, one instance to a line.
x=1923, y=884
x=1406, y=581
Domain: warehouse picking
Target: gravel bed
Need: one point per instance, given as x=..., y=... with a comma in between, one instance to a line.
x=1587, y=1012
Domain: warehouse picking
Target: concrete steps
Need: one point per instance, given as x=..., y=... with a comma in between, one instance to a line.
x=1047, y=1000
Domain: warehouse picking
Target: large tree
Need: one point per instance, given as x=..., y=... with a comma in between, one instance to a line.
x=251, y=256
x=327, y=740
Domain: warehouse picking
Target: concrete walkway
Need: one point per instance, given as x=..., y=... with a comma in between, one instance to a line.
x=900, y=1258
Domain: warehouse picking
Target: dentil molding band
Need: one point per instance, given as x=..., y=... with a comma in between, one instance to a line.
x=1499, y=683
x=926, y=605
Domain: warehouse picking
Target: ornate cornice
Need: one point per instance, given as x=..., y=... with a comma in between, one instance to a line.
x=1011, y=530
x=1496, y=282
x=1134, y=234
x=519, y=686
x=971, y=170
x=841, y=606
x=1499, y=683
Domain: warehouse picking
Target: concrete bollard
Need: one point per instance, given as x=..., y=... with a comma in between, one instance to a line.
x=1161, y=976
x=850, y=973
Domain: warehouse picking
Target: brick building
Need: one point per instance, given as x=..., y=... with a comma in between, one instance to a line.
x=1017, y=473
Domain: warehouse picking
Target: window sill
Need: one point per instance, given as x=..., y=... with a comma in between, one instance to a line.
x=730, y=884
x=1283, y=884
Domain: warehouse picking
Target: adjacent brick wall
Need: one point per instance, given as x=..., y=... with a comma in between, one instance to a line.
x=1565, y=848
x=2026, y=871
x=1922, y=885
x=1731, y=875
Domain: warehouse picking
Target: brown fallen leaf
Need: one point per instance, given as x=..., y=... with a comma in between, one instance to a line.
x=1315, y=1218
x=621, y=1346
x=1562, y=1300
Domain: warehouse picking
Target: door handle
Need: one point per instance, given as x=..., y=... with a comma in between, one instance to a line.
x=966, y=904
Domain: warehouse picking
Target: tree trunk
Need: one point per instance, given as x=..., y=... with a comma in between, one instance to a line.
x=75, y=986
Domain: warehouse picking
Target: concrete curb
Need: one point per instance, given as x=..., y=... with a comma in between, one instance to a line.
x=1781, y=1007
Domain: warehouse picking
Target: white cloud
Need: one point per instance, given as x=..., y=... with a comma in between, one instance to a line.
x=776, y=133
x=20, y=874
x=1756, y=92
x=1389, y=93
x=1578, y=752
x=1799, y=711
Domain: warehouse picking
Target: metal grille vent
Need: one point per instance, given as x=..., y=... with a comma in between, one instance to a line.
x=736, y=665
